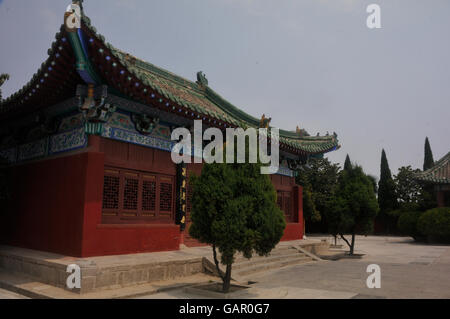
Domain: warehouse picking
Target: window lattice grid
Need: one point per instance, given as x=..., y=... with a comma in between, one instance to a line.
x=149, y=196
x=130, y=193
x=165, y=199
x=111, y=192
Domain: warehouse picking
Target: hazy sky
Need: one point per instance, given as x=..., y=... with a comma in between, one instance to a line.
x=312, y=63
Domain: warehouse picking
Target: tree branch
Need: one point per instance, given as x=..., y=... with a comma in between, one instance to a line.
x=343, y=238
x=217, y=263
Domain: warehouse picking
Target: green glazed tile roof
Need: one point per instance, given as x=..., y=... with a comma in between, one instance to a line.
x=190, y=95
x=439, y=173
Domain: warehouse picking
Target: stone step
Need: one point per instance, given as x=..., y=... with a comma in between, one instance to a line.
x=246, y=263
x=272, y=265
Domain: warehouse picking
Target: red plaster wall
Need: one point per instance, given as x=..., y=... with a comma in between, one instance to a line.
x=101, y=239
x=295, y=231
x=46, y=211
x=57, y=206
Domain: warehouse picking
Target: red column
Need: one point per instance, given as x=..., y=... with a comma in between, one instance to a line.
x=298, y=191
x=94, y=143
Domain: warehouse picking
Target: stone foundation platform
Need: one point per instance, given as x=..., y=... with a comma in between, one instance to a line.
x=99, y=273
x=120, y=271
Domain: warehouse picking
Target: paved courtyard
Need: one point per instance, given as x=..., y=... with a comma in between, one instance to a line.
x=408, y=270
x=5, y=294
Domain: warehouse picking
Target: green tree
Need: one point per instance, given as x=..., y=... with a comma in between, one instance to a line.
x=428, y=161
x=318, y=179
x=408, y=190
x=3, y=78
x=234, y=209
x=428, y=198
x=373, y=180
x=353, y=206
x=310, y=212
x=348, y=163
x=387, y=198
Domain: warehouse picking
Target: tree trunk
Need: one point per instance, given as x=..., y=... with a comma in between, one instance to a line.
x=227, y=279
x=216, y=261
x=352, y=246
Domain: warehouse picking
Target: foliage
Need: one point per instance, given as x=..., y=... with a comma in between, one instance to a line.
x=428, y=199
x=407, y=224
x=318, y=180
x=347, y=163
x=428, y=161
x=373, y=180
x=234, y=209
x=435, y=224
x=353, y=205
x=310, y=211
x=387, y=199
x=3, y=78
x=408, y=190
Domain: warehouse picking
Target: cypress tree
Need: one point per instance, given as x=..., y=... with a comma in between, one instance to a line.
x=428, y=200
x=3, y=78
x=347, y=164
x=386, y=187
x=428, y=160
x=234, y=209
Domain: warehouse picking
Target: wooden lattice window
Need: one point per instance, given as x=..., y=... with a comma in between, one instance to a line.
x=165, y=199
x=111, y=193
x=149, y=195
x=131, y=192
x=129, y=195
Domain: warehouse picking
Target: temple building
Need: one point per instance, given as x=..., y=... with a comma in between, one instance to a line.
x=88, y=145
x=439, y=176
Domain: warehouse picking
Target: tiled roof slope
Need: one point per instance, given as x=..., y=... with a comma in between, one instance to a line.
x=439, y=173
x=198, y=98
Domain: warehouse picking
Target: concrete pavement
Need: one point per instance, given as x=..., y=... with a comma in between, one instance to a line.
x=5, y=294
x=408, y=270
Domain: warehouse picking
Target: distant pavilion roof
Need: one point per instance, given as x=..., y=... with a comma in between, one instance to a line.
x=438, y=174
x=143, y=82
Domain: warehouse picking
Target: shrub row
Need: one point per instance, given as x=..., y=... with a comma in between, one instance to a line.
x=432, y=225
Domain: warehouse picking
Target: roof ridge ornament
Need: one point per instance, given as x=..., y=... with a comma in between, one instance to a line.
x=201, y=79
x=265, y=122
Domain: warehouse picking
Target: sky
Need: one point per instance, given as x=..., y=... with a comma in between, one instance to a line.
x=307, y=63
